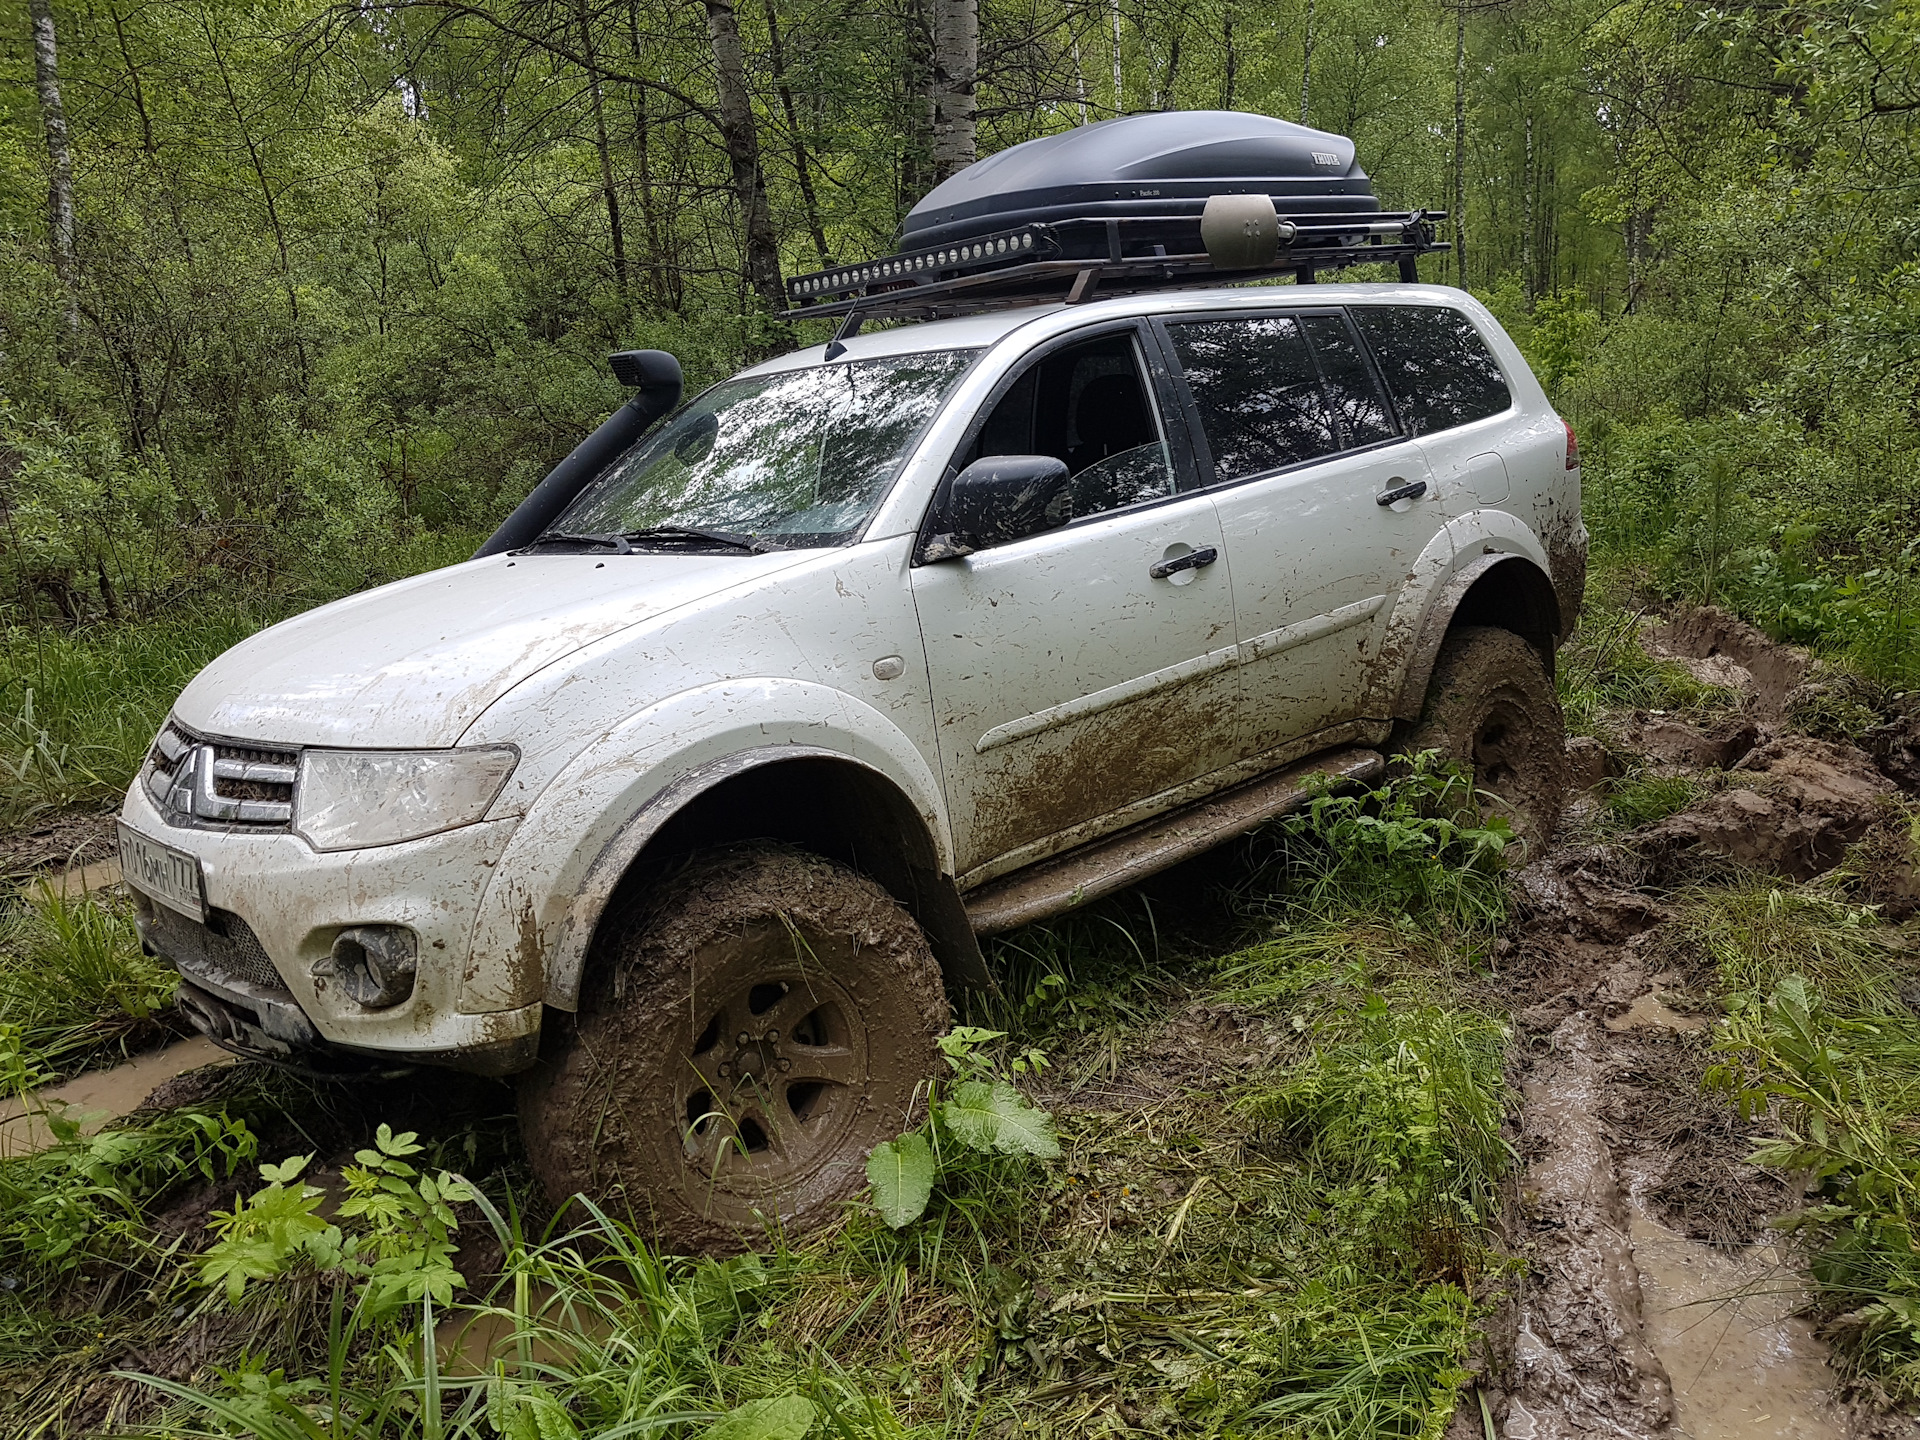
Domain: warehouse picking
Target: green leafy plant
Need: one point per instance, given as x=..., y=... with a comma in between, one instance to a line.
x=1413, y=845
x=85, y=1198
x=398, y=1240
x=979, y=1114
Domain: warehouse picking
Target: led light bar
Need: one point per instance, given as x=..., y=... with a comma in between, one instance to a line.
x=921, y=267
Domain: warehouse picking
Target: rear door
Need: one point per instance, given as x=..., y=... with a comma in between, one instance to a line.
x=1450, y=396
x=1298, y=447
x=1073, y=688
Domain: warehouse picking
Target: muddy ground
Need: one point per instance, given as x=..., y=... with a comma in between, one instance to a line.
x=1648, y=1296
x=1653, y=1299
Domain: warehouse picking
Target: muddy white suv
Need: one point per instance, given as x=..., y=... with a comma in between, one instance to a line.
x=689, y=804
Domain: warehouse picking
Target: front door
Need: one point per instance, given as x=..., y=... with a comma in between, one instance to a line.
x=1073, y=688
x=1301, y=448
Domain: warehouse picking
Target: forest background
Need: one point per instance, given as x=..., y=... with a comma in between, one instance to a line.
x=296, y=297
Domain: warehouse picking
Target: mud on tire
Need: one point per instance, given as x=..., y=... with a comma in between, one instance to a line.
x=1491, y=707
x=749, y=1029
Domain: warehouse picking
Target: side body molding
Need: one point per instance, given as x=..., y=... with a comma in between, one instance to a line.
x=581, y=834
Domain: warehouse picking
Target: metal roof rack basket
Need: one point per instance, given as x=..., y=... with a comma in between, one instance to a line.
x=1147, y=202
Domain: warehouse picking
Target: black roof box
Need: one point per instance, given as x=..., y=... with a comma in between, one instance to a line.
x=1164, y=164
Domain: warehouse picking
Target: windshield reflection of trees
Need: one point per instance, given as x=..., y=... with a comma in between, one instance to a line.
x=803, y=456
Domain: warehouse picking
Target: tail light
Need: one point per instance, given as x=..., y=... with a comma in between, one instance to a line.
x=1573, y=448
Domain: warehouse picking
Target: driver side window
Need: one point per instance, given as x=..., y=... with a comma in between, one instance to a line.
x=1091, y=406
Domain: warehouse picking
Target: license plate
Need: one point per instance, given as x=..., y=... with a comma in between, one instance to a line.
x=168, y=875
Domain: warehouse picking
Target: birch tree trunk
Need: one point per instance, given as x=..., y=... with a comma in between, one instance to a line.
x=1460, y=142
x=956, y=61
x=609, y=190
x=740, y=133
x=53, y=121
x=1306, y=63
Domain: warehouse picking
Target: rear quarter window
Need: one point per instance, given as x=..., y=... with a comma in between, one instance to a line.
x=1438, y=370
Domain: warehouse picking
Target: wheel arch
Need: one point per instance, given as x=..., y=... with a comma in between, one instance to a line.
x=821, y=800
x=1505, y=590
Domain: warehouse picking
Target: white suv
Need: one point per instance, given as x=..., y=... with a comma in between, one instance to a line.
x=687, y=807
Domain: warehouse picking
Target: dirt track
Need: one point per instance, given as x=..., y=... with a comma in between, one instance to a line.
x=1653, y=1300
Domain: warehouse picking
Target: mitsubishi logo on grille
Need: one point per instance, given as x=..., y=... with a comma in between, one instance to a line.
x=191, y=780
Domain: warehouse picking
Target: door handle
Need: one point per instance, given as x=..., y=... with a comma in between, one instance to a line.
x=1399, y=489
x=1192, y=560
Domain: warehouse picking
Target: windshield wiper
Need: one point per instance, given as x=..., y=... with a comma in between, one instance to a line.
x=616, y=543
x=698, y=532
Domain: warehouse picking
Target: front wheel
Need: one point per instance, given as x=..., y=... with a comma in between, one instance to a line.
x=751, y=1027
x=1491, y=709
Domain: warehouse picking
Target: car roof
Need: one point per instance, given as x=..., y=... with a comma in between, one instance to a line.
x=978, y=332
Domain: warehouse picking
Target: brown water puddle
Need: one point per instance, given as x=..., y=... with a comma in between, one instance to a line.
x=1743, y=1366
x=85, y=879
x=100, y=1095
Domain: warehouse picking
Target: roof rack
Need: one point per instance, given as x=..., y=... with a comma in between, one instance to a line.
x=1070, y=259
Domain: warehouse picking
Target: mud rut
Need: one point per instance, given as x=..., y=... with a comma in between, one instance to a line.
x=1653, y=1301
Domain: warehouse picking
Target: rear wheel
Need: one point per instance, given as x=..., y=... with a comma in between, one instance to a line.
x=751, y=1028
x=1491, y=708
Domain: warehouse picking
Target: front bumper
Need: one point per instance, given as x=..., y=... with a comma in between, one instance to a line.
x=276, y=908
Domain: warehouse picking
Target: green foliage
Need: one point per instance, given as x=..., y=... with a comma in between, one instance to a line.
x=902, y=1172
x=1396, y=1118
x=1413, y=845
x=784, y=1417
x=1844, y=1091
x=83, y=1199
x=1606, y=668
x=977, y=1115
x=72, y=976
x=79, y=708
x=1639, y=798
x=397, y=1238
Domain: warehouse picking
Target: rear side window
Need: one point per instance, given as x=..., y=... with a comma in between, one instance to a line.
x=1256, y=392
x=1438, y=369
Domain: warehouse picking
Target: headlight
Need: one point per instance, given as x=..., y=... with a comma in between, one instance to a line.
x=351, y=799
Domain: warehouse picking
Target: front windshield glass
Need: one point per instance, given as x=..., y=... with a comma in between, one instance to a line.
x=794, y=459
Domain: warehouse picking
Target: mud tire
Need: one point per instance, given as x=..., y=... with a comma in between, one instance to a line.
x=614, y=1109
x=1491, y=707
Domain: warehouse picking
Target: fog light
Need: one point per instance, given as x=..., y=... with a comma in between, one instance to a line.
x=374, y=964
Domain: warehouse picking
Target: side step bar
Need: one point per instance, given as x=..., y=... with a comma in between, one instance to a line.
x=1071, y=880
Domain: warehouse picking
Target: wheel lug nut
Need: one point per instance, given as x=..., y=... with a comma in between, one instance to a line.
x=725, y=1069
x=773, y=1037
x=784, y=1063
x=745, y=1038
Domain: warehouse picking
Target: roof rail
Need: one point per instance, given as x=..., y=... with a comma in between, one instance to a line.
x=1071, y=259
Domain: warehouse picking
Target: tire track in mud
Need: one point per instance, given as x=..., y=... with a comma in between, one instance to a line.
x=1651, y=1300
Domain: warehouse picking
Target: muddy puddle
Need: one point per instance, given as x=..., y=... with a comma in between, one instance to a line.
x=1742, y=1365
x=100, y=1095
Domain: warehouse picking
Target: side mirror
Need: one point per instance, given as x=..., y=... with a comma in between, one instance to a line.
x=999, y=498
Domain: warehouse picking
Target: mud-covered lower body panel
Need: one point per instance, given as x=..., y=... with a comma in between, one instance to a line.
x=231, y=993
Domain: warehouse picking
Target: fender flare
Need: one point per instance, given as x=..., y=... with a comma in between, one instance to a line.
x=546, y=894
x=1464, y=553
x=943, y=914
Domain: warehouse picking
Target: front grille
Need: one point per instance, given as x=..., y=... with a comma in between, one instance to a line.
x=215, y=782
x=224, y=950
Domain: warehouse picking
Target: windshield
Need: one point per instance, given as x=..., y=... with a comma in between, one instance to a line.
x=794, y=459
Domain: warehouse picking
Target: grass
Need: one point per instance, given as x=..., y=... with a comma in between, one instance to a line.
x=1606, y=668
x=1641, y=797
x=78, y=708
x=1280, y=1142
x=1280, y=1114
x=73, y=982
